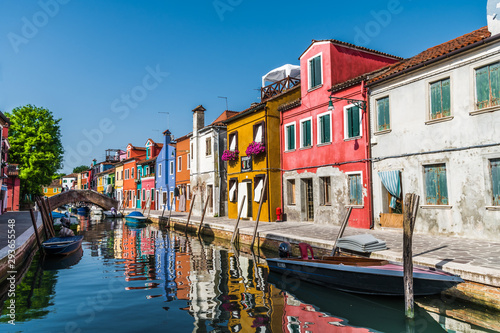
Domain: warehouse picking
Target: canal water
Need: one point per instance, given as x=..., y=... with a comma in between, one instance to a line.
x=144, y=278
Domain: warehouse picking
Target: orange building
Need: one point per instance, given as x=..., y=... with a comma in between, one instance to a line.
x=130, y=178
x=183, y=173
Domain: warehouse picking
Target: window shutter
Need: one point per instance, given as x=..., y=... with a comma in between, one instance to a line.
x=495, y=84
x=291, y=137
x=353, y=117
x=312, y=73
x=308, y=133
x=482, y=87
x=430, y=185
x=381, y=114
x=443, y=188
x=321, y=129
x=445, y=90
x=326, y=131
x=495, y=181
x=317, y=70
x=435, y=99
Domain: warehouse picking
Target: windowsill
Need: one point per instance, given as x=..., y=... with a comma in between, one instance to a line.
x=289, y=151
x=291, y=205
x=356, y=206
x=353, y=138
x=485, y=110
x=439, y=120
x=493, y=208
x=436, y=206
x=314, y=88
x=304, y=148
x=324, y=144
x=325, y=205
x=383, y=132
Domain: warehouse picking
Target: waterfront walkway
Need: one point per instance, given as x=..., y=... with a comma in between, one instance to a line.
x=474, y=260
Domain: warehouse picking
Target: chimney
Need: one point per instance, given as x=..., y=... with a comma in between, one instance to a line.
x=493, y=16
x=168, y=137
x=198, y=118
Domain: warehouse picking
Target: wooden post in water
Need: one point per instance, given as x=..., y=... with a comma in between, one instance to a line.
x=45, y=218
x=170, y=213
x=258, y=213
x=33, y=220
x=45, y=230
x=190, y=211
x=238, y=220
x=50, y=218
x=163, y=213
x=342, y=229
x=410, y=214
x=204, y=210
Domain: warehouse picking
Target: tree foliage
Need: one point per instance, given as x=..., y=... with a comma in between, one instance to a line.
x=35, y=139
x=80, y=168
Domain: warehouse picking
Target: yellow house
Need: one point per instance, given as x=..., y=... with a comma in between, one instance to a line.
x=119, y=182
x=54, y=188
x=258, y=124
x=100, y=186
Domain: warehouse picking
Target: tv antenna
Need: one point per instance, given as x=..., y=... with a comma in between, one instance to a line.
x=168, y=118
x=227, y=108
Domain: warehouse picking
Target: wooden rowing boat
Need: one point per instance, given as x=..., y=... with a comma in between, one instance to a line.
x=62, y=245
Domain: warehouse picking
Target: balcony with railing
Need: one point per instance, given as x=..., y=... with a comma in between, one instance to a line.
x=278, y=87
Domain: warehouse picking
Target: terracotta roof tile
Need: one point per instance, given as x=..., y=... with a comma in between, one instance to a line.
x=352, y=46
x=435, y=52
x=224, y=116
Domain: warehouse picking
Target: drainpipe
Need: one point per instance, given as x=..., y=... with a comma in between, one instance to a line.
x=282, y=204
x=267, y=168
x=368, y=154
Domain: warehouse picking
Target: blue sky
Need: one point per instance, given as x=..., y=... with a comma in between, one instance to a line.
x=108, y=67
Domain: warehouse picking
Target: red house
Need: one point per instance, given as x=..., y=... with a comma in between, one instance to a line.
x=324, y=135
x=130, y=177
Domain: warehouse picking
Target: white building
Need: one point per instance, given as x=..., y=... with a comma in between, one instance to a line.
x=435, y=131
x=69, y=181
x=208, y=174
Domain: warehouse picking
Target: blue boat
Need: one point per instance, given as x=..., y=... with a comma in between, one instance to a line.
x=83, y=209
x=62, y=245
x=56, y=215
x=136, y=216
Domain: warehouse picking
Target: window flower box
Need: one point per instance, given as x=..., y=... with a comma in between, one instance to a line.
x=255, y=148
x=230, y=155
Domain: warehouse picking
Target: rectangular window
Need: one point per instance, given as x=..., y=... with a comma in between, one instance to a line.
x=259, y=134
x=159, y=170
x=324, y=128
x=189, y=161
x=355, y=190
x=383, y=117
x=132, y=173
x=305, y=133
x=233, y=141
x=290, y=137
x=233, y=189
x=315, y=72
x=127, y=173
x=45, y=190
x=353, y=122
x=488, y=86
x=208, y=146
x=121, y=177
x=152, y=194
x=290, y=191
x=171, y=167
x=188, y=192
x=179, y=163
x=326, y=188
x=436, y=188
x=495, y=180
x=440, y=99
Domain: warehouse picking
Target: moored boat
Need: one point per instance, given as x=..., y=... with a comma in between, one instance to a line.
x=364, y=275
x=136, y=216
x=62, y=245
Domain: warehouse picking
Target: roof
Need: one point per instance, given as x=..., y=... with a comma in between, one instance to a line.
x=356, y=80
x=185, y=137
x=145, y=161
x=254, y=107
x=71, y=175
x=55, y=183
x=224, y=116
x=349, y=45
x=434, y=53
x=199, y=108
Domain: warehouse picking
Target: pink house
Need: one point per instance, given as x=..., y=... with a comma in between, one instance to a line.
x=324, y=135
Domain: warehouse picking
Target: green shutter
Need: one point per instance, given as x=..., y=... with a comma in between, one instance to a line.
x=435, y=100
x=383, y=113
x=321, y=129
x=291, y=137
x=495, y=181
x=317, y=70
x=353, y=121
x=306, y=125
x=495, y=84
x=446, y=99
x=312, y=73
x=443, y=187
x=355, y=190
x=326, y=129
x=430, y=185
x=482, y=87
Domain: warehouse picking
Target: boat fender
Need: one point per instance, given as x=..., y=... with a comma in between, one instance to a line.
x=303, y=251
x=285, y=250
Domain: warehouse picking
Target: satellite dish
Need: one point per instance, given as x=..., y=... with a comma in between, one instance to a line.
x=493, y=17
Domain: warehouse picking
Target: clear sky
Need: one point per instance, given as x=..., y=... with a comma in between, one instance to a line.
x=108, y=67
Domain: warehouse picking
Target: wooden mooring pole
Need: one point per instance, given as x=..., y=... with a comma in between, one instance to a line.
x=410, y=214
x=236, y=230
x=204, y=210
x=190, y=211
x=342, y=229
x=258, y=213
x=33, y=220
x=170, y=213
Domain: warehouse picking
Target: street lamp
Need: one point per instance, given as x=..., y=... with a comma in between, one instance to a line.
x=357, y=102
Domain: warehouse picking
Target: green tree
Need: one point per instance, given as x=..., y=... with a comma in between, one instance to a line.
x=35, y=140
x=80, y=168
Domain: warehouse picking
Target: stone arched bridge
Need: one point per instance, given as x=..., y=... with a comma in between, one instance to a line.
x=74, y=196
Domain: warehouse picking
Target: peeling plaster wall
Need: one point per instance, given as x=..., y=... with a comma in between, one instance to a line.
x=469, y=212
x=331, y=214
